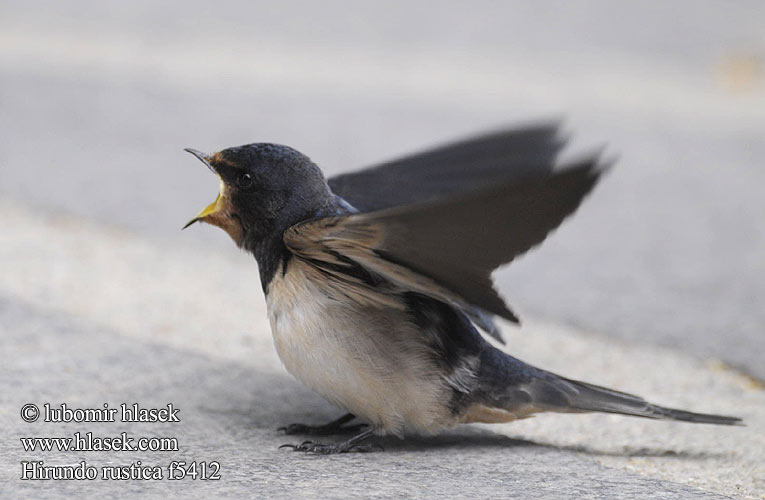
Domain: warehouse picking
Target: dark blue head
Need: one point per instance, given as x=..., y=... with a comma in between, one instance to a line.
x=264, y=189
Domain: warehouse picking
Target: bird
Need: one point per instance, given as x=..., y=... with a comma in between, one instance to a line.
x=378, y=282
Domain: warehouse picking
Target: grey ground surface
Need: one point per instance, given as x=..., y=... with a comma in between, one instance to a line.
x=72, y=335
x=661, y=273
x=230, y=416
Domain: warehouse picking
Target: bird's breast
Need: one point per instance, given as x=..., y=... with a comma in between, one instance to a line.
x=368, y=359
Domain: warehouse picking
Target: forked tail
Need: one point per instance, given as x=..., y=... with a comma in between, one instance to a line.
x=554, y=393
x=588, y=397
x=508, y=389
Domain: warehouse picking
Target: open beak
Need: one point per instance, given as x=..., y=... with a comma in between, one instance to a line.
x=212, y=207
x=208, y=210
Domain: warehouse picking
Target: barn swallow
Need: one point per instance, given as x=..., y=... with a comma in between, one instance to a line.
x=378, y=283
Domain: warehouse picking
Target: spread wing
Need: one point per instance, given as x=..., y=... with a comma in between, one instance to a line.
x=459, y=167
x=447, y=248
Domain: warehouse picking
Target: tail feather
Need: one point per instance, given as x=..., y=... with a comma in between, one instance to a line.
x=562, y=394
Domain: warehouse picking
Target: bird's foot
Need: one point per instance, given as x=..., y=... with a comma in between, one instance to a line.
x=332, y=428
x=349, y=446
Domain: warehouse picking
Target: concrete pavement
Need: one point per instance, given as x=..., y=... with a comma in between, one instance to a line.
x=73, y=336
x=230, y=417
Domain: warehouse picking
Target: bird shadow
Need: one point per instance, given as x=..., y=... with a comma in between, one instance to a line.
x=471, y=438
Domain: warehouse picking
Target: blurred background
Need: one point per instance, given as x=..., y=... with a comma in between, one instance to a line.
x=97, y=100
x=660, y=274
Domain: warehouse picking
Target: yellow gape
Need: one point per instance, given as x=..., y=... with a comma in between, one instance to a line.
x=208, y=210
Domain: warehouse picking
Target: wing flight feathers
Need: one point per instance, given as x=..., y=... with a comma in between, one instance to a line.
x=447, y=248
x=467, y=165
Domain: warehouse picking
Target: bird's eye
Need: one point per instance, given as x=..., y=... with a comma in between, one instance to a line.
x=244, y=180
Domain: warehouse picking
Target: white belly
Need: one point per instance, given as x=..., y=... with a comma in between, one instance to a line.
x=367, y=360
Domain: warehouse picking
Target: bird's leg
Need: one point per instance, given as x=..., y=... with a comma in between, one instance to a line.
x=334, y=427
x=350, y=445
